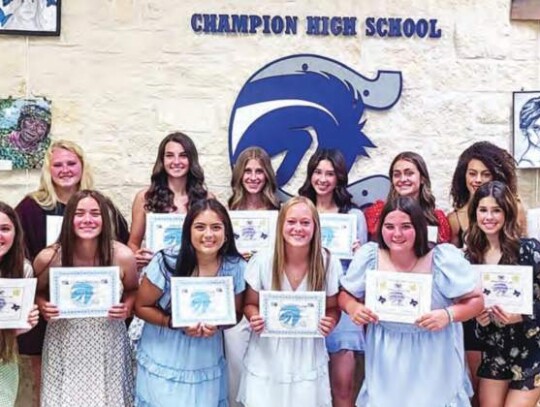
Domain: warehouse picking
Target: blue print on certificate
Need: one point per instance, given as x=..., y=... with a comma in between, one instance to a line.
x=82, y=293
x=327, y=236
x=200, y=302
x=290, y=315
x=172, y=236
x=249, y=231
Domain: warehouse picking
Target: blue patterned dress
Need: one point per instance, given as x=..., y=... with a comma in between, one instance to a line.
x=408, y=366
x=174, y=369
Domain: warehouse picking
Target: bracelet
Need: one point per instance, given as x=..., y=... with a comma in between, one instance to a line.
x=450, y=314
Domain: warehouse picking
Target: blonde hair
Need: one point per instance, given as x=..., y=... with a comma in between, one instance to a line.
x=46, y=195
x=237, y=200
x=316, y=268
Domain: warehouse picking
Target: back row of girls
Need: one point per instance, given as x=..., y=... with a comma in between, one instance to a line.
x=270, y=368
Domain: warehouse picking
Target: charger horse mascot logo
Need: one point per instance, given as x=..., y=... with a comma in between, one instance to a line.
x=299, y=100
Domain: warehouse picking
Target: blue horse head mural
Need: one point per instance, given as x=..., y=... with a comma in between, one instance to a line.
x=299, y=100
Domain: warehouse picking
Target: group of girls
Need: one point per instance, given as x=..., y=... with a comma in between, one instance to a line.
x=88, y=362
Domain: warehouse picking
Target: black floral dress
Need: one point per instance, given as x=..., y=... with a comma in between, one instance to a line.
x=512, y=352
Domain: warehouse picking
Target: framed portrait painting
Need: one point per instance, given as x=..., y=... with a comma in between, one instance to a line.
x=526, y=126
x=30, y=17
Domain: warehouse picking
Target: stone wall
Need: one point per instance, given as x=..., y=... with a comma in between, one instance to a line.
x=124, y=73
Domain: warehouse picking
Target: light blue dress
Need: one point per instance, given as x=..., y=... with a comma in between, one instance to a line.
x=408, y=366
x=347, y=335
x=174, y=369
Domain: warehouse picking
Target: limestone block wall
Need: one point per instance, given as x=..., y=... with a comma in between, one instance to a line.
x=124, y=73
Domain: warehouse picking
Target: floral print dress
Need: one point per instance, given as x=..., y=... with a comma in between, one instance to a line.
x=512, y=352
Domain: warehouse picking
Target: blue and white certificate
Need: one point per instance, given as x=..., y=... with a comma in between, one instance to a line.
x=338, y=233
x=398, y=296
x=510, y=287
x=16, y=301
x=253, y=230
x=84, y=292
x=163, y=230
x=209, y=300
x=292, y=314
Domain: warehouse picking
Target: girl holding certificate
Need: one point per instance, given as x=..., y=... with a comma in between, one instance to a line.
x=410, y=177
x=420, y=364
x=12, y=265
x=177, y=181
x=186, y=366
x=282, y=371
x=253, y=182
x=510, y=368
x=87, y=361
x=480, y=163
x=65, y=171
x=326, y=186
x=254, y=187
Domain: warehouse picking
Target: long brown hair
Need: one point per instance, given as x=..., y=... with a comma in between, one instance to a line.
x=11, y=266
x=68, y=239
x=342, y=197
x=159, y=198
x=268, y=194
x=476, y=240
x=425, y=196
x=316, y=267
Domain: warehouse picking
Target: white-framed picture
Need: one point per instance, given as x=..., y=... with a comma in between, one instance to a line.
x=526, y=122
x=30, y=17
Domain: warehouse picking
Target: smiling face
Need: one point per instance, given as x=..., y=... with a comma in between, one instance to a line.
x=7, y=234
x=299, y=226
x=175, y=160
x=398, y=232
x=87, y=221
x=207, y=233
x=253, y=179
x=477, y=175
x=490, y=216
x=66, y=169
x=324, y=179
x=406, y=179
x=33, y=129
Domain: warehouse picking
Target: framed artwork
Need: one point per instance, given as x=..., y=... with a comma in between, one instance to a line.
x=25, y=126
x=526, y=129
x=30, y=17
x=525, y=10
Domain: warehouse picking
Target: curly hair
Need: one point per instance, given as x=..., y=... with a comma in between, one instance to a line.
x=159, y=198
x=268, y=194
x=425, y=196
x=498, y=161
x=341, y=196
x=476, y=239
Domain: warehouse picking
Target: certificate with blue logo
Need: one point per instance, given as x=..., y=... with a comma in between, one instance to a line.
x=510, y=287
x=84, y=292
x=16, y=301
x=398, y=297
x=163, y=230
x=209, y=300
x=338, y=233
x=292, y=314
x=253, y=230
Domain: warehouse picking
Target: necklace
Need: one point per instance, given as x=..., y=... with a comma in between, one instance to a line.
x=408, y=269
